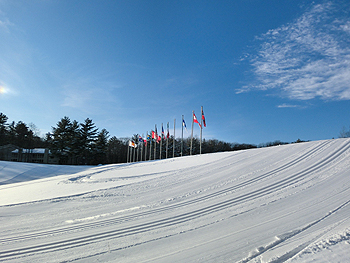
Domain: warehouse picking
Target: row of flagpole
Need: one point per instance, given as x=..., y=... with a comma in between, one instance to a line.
x=133, y=152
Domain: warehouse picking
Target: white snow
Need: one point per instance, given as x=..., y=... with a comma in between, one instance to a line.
x=287, y=203
x=35, y=150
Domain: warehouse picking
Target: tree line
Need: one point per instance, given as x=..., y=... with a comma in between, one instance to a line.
x=70, y=141
x=83, y=143
x=20, y=134
x=344, y=133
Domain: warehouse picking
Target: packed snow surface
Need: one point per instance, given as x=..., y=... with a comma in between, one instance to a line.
x=287, y=203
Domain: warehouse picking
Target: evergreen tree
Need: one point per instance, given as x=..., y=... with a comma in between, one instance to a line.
x=88, y=133
x=100, y=148
x=344, y=133
x=76, y=145
x=61, y=140
x=12, y=133
x=117, y=150
x=48, y=140
x=3, y=129
x=23, y=135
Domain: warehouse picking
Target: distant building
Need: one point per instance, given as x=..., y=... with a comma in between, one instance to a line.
x=6, y=151
x=36, y=155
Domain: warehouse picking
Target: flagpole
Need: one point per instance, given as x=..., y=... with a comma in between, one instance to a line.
x=141, y=147
x=192, y=132
x=174, y=140
x=127, y=156
x=131, y=154
x=200, y=143
x=150, y=147
x=161, y=141
x=130, y=157
x=167, y=141
x=137, y=150
x=182, y=135
x=145, y=145
x=155, y=142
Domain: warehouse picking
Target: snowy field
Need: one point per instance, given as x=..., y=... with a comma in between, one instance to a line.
x=288, y=203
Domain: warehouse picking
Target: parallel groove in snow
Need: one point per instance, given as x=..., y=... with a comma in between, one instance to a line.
x=170, y=207
x=180, y=218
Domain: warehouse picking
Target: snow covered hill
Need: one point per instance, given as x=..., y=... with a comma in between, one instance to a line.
x=285, y=203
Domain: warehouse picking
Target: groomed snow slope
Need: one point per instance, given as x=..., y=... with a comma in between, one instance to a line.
x=285, y=203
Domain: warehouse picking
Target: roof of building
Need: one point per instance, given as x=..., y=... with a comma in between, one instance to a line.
x=35, y=150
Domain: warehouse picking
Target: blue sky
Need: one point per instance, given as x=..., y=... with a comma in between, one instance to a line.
x=262, y=70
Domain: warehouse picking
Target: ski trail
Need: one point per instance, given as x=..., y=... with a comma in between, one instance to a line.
x=221, y=191
x=282, y=238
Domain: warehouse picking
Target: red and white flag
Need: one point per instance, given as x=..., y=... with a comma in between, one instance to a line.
x=196, y=121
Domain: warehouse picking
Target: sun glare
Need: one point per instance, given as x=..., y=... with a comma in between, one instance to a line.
x=3, y=90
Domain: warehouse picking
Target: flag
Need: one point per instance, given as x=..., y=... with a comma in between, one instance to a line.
x=203, y=118
x=140, y=138
x=196, y=121
x=131, y=144
x=184, y=124
x=153, y=135
x=163, y=134
x=168, y=134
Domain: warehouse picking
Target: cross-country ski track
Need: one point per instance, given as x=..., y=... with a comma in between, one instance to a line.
x=288, y=203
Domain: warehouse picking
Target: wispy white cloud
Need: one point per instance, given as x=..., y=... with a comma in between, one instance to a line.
x=76, y=97
x=5, y=23
x=89, y=95
x=285, y=105
x=308, y=58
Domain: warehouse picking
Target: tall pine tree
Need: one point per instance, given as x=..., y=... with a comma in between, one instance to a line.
x=61, y=142
x=3, y=129
x=88, y=133
x=100, y=149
